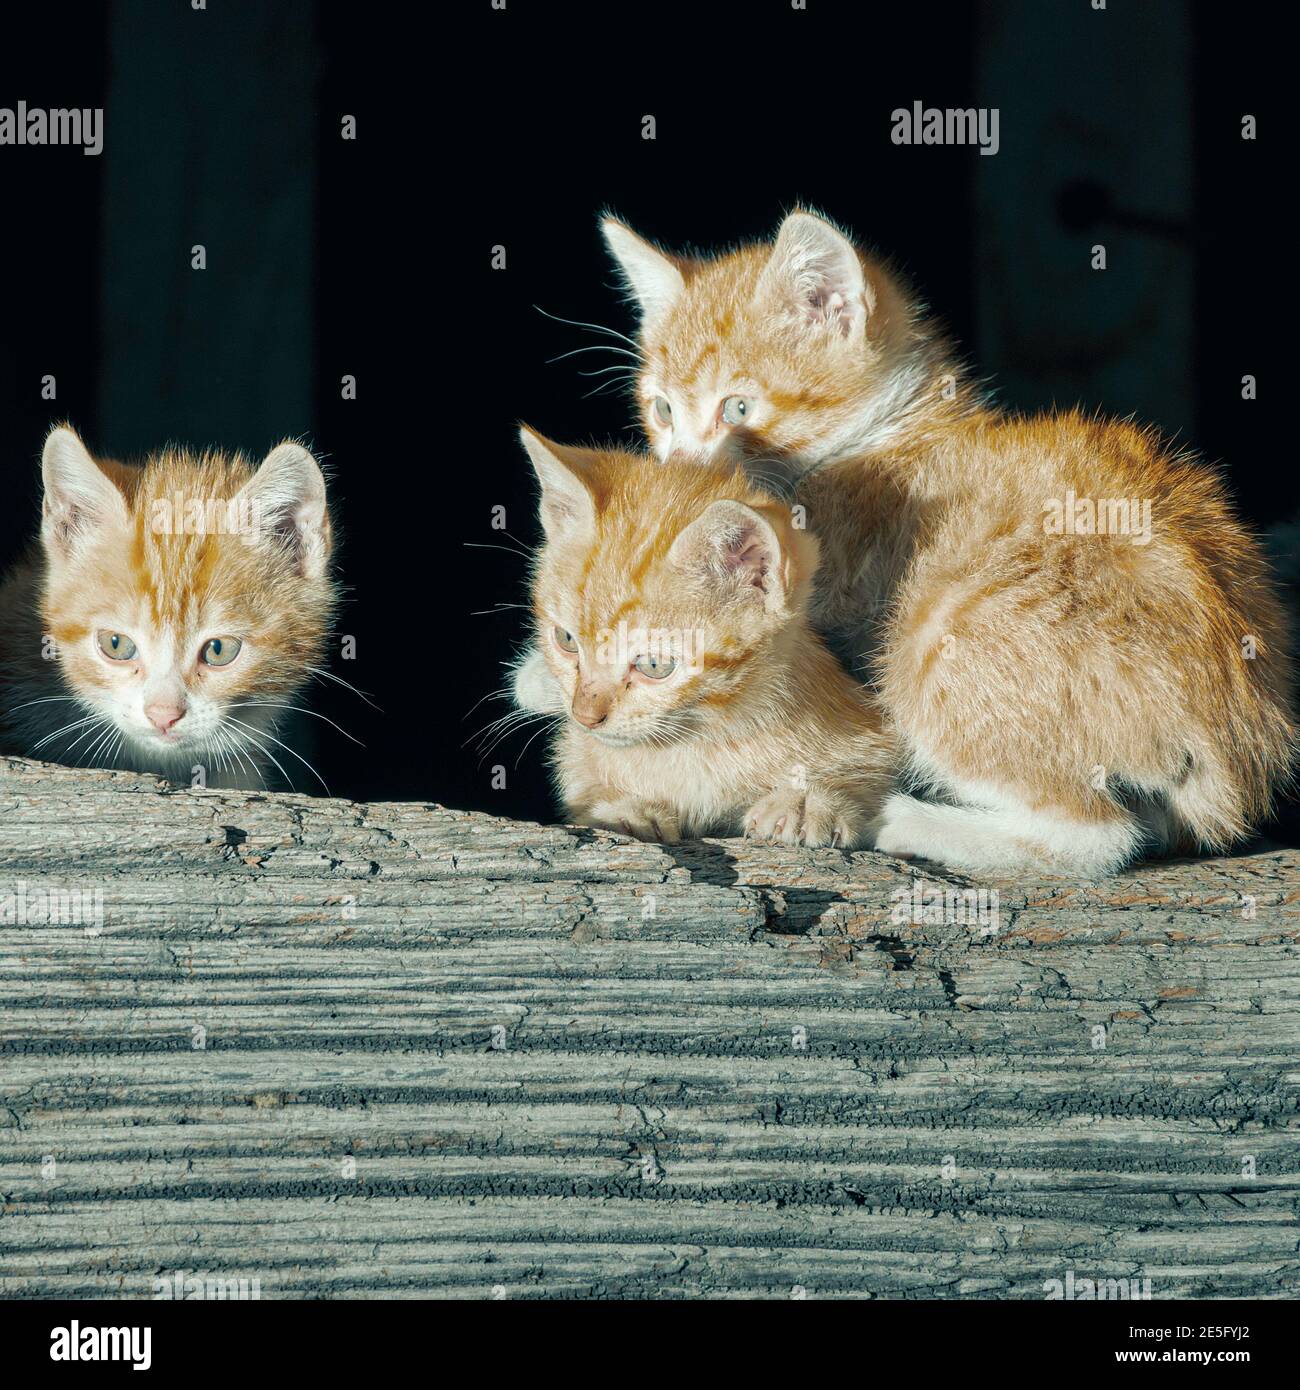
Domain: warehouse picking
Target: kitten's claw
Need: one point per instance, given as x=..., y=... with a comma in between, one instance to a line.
x=813, y=818
x=769, y=818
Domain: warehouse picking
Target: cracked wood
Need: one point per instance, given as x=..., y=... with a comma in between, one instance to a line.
x=394, y=1049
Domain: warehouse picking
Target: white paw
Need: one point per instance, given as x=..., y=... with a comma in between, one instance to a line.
x=905, y=829
x=1004, y=840
x=643, y=820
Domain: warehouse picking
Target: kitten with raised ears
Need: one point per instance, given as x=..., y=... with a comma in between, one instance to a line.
x=671, y=610
x=169, y=614
x=1069, y=696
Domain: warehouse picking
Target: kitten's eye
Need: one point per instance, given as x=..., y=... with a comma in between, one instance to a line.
x=221, y=651
x=735, y=409
x=663, y=411
x=565, y=640
x=657, y=668
x=117, y=646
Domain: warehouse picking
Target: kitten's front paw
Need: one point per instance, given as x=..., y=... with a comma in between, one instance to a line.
x=644, y=820
x=811, y=818
x=902, y=829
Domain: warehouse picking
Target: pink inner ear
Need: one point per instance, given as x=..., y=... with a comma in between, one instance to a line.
x=748, y=558
x=831, y=306
x=68, y=519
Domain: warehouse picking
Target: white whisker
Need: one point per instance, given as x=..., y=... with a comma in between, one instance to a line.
x=43, y=700
x=483, y=545
x=274, y=704
x=347, y=685
x=595, y=327
x=225, y=736
x=604, y=389
x=598, y=347
x=502, y=694
x=251, y=731
x=245, y=740
x=67, y=728
x=551, y=721
x=89, y=754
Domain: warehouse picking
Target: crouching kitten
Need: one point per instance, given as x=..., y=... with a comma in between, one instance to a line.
x=671, y=606
x=1079, y=647
x=169, y=614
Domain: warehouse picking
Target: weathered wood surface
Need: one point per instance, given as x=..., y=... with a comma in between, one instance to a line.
x=447, y=1054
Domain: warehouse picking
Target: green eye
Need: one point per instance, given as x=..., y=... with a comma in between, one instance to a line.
x=565, y=640
x=657, y=668
x=221, y=651
x=735, y=409
x=663, y=411
x=117, y=646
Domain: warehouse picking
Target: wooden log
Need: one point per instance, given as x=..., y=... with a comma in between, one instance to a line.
x=395, y=1050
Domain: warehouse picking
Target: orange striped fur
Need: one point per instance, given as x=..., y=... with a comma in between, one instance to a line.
x=756, y=728
x=1070, y=697
x=139, y=551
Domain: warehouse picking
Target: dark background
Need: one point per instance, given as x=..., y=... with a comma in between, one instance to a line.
x=478, y=128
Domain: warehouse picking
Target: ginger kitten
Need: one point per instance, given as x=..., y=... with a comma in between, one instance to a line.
x=671, y=607
x=169, y=615
x=1078, y=644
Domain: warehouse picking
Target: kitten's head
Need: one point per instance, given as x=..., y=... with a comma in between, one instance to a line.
x=785, y=350
x=662, y=590
x=182, y=592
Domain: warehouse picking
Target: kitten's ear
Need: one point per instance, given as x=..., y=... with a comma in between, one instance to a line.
x=653, y=279
x=815, y=275
x=735, y=547
x=79, y=497
x=286, y=499
x=567, y=505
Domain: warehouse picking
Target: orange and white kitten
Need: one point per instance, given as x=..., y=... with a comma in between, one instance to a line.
x=169, y=615
x=1079, y=647
x=671, y=607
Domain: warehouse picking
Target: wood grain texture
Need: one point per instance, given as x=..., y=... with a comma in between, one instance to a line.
x=395, y=1050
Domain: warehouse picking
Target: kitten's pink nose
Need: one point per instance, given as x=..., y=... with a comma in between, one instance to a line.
x=163, y=715
x=590, y=707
